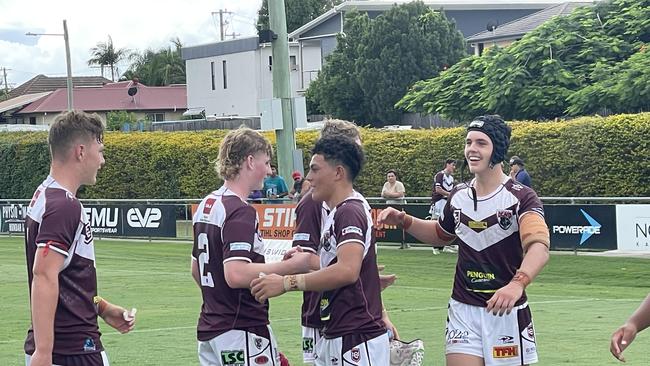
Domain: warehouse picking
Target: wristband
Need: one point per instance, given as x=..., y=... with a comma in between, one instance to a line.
x=521, y=278
x=101, y=304
x=294, y=282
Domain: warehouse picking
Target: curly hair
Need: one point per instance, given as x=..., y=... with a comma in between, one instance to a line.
x=235, y=147
x=341, y=150
x=72, y=126
x=338, y=127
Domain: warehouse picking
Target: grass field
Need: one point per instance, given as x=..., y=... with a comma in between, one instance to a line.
x=577, y=303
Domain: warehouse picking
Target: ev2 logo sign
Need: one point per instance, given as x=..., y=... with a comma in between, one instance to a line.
x=149, y=219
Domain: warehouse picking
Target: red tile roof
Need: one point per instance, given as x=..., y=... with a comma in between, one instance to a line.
x=113, y=97
x=41, y=83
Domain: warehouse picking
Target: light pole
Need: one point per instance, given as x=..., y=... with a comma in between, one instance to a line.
x=67, y=57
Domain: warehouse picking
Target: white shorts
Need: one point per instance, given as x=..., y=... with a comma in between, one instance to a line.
x=239, y=347
x=437, y=208
x=83, y=359
x=310, y=340
x=373, y=352
x=499, y=340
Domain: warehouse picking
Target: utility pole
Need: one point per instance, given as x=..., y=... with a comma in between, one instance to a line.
x=285, y=138
x=223, y=24
x=4, y=72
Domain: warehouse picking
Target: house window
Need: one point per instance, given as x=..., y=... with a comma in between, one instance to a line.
x=155, y=117
x=32, y=120
x=293, y=64
x=270, y=63
x=212, y=71
x=225, y=79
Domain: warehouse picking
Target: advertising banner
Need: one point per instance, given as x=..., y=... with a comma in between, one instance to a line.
x=132, y=220
x=633, y=228
x=582, y=226
x=13, y=218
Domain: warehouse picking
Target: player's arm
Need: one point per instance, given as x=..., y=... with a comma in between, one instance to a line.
x=427, y=231
x=115, y=316
x=194, y=268
x=441, y=191
x=240, y=273
x=535, y=240
x=626, y=333
x=44, y=297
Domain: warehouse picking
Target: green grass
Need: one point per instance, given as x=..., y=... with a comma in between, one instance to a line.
x=577, y=303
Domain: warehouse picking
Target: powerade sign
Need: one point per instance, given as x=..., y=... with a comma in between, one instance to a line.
x=582, y=226
x=136, y=220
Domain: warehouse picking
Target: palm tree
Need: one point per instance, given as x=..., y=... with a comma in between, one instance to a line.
x=105, y=54
x=160, y=67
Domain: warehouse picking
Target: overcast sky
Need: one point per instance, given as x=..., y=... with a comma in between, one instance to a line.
x=133, y=24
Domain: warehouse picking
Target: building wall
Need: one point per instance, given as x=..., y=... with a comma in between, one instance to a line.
x=490, y=44
x=48, y=118
x=311, y=62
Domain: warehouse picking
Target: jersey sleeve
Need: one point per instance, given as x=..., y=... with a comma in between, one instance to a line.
x=59, y=224
x=437, y=181
x=446, y=219
x=308, y=224
x=238, y=233
x=530, y=203
x=350, y=224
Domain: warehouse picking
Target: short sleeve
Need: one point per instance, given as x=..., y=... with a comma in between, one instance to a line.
x=438, y=180
x=309, y=214
x=400, y=187
x=530, y=203
x=446, y=219
x=350, y=224
x=238, y=233
x=60, y=222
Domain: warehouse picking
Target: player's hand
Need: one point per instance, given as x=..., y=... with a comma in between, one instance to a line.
x=386, y=280
x=41, y=358
x=389, y=325
x=390, y=216
x=504, y=299
x=267, y=286
x=289, y=253
x=622, y=338
x=301, y=262
x=119, y=318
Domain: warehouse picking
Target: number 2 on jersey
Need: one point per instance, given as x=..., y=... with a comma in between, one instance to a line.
x=204, y=258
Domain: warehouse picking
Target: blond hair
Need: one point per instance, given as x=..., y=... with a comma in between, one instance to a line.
x=72, y=126
x=338, y=127
x=238, y=145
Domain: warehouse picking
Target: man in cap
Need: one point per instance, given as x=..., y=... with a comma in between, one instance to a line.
x=518, y=172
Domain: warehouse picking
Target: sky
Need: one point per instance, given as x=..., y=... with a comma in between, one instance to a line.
x=132, y=24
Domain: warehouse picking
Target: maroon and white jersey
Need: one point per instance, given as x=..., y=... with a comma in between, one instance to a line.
x=226, y=229
x=490, y=249
x=355, y=308
x=444, y=181
x=310, y=215
x=57, y=222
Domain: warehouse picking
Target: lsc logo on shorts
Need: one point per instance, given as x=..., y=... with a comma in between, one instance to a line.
x=232, y=357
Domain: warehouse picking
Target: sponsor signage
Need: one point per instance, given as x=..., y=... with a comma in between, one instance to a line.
x=633, y=230
x=391, y=233
x=581, y=226
x=13, y=218
x=134, y=220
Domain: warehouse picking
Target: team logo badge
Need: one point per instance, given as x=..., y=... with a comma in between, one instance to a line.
x=457, y=218
x=258, y=343
x=504, y=218
x=89, y=345
x=325, y=241
x=356, y=354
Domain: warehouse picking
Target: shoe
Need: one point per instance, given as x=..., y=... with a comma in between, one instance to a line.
x=449, y=249
x=436, y=251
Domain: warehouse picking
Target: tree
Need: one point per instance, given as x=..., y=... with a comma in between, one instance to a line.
x=590, y=61
x=376, y=61
x=105, y=54
x=158, y=67
x=298, y=12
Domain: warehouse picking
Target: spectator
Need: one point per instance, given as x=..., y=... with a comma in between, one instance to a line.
x=300, y=184
x=393, y=189
x=518, y=172
x=443, y=183
x=274, y=185
x=256, y=196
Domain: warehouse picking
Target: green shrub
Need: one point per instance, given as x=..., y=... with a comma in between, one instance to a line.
x=589, y=156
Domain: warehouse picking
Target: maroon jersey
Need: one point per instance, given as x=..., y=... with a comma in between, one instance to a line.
x=355, y=308
x=444, y=181
x=226, y=229
x=56, y=221
x=490, y=249
x=309, y=220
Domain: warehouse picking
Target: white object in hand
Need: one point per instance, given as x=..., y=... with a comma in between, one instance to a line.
x=129, y=315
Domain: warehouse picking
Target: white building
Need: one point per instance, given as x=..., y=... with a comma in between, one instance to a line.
x=229, y=78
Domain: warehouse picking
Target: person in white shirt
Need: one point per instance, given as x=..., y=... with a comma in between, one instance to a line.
x=393, y=189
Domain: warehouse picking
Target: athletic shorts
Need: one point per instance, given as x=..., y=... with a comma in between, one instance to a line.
x=239, y=347
x=352, y=350
x=310, y=339
x=89, y=359
x=499, y=340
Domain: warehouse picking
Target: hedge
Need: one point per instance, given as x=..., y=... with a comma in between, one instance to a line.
x=589, y=156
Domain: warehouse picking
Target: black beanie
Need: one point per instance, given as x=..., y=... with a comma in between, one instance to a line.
x=498, y=131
